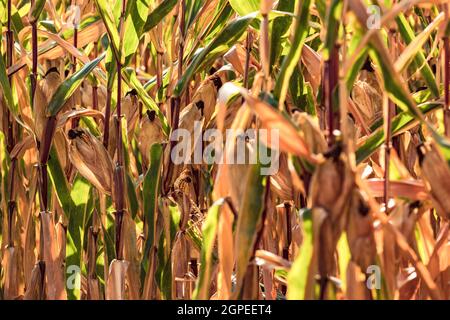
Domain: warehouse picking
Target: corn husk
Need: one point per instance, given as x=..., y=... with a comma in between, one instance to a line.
x=150, y=132
x=205, y=97
x=189, y=117
x=91, y=159
x=310, y=131
x=436, y=172
x=368, y=97
x=331, y=185
x=130, y=112
x=330, y=190
x=86, y=96
x=360, y=231
x=44, y=92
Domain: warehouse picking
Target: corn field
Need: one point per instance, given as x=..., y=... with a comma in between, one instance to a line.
x=340, y=110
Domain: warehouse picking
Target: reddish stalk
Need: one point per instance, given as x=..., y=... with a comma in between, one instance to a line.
x=175, y=103
x=95, y=87
x=264, y=49
x=10, y=136
x=159, y=61
x=34, y=43
x=43, y=146
x=287, y=209
x=107, y=117
x=447, y=77
x=9, y=58
x=388, y=114
x=75, y=121
x=331, y=82
x=248, y=48
x=119, y=170
x=182, y=38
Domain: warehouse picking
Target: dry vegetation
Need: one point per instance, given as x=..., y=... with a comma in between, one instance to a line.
x=92, y=207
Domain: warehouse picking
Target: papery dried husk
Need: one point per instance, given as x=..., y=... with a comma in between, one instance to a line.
x=238, y=173
x=54, y=270
x=29, y=257
x=130, y=110
x=45, y=89
x=112, y=137
x=93, y=283
x=11, y=290
x=206, y=95
x=190, y=117
x=330, y=186
x=93, y=289
x=368, y=97
x=34, y=290
x=116, y=280
x=236, y=56
x=404, y=217
x=281, y=181
x=230, y=115
x=360, y=231
x=150, y=132
x=356, y=283
x=436, y=172
x=39, y=111
x=61, y=147
x=131, y=255
x=224, y=186
x=180, y=250
x=90, y=158
x=183, y=183
x=310, y=131
x=86, y=96
x=408, y=151
x=330, y=190
x=149, y=289
x=408, y=283
x=130, y=113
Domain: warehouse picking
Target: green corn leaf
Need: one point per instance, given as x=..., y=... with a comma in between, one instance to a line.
x=58, y=177
x=291, y=60
x=249, y=219
x=393, y=82
x=104, y=9
x=298, y=275
x=74, y=202
x=209, y=230
x=36, y=10
x=400, y=123
x=7, y=91
x=150, y=197
x=243, y=8
x=408, y=35
x=68, y=87
x=155, y=17
x=333, y=22
x=352, y=73
x=224, y=40
x=131, y=79
x=136, y=17
x=83, y=205
x=279, y=27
